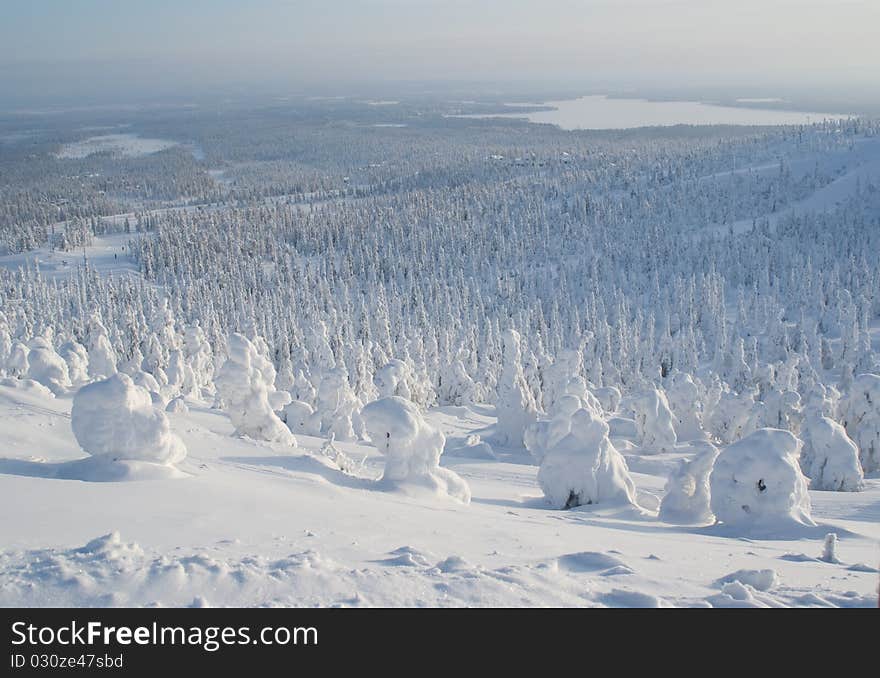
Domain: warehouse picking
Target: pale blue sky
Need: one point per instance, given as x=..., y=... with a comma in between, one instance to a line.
x=42, y=42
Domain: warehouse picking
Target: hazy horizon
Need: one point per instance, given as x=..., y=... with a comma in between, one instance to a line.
x=95, y=50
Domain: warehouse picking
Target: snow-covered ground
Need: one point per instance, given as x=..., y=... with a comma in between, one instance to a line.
x=123, y=145
x=108, y=254
x=258, y=523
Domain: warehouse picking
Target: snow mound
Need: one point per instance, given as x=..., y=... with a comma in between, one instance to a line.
x=455, y=564
x=757, y=482
x=687, y=498
x=589, y=561
x=115, y=418
x=110, y=547
x=585, y=468
x=412, y=447
x=28, y=386
x=407, y=556
x=474, y=447
x=632, y=599
x=738, y=594
x=300, y=418
x=246, y=383
x=829, y=457
x=177, y=406
x=760, y=580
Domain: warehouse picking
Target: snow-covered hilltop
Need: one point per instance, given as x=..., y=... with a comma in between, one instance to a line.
x=525, y=366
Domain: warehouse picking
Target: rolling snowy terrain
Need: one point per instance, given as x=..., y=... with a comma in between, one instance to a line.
x=252, y=523
x=380, y=356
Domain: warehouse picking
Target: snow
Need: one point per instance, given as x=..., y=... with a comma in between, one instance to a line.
x=861, y=416
x=411, y=447
x=756, y=484
x=48, y=368
x=584, y=468
x=300, y=418
x=115, y=419
x=177, y=406
x=687, y=498
x=516, y=407
x=654, y=422
x=337, y=407
x=830, y=459
x=317, y=541
x=571, y=328
x=760, y=580
x=246, y=383
x=123, y=145
x=392, y=380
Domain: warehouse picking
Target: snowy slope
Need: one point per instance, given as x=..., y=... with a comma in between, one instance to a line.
x=263, y=524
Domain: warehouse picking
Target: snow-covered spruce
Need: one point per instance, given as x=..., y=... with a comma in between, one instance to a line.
x=861, y=418
x=412, y=447
x=77, y=358
x=48, y=368
x=545, y=434
x=654, y=422
x=17, y=362
x=757, y=483
x=585, y=468
x=829, y=458
x=102, y=356
x=393, y=379
x=245, y=382
x=456, y=385
x=337, y=408
x=730, y=415
x=687, y=498
x=114, y=418
x=515, y=405
x=685, y=403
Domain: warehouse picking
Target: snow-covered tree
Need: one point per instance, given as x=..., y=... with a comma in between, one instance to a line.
x=46, y=367
x=687, y=498
x=654, y=421
x=829, y=458
x=115, y=419
x=757, y=483
x=585, y=468
x=860, y=413
x=686, y=405
x=411, y=447
x=245, y=382
x=102, y=356
x=515, y=406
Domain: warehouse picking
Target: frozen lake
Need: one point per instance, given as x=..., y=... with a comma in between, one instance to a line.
x=602, y=112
